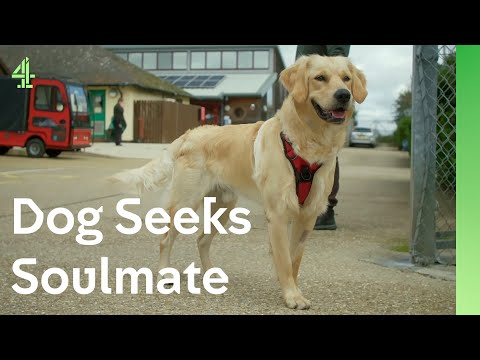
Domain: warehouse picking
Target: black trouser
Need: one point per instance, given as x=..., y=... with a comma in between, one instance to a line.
x=118, y=136
x=332, y=198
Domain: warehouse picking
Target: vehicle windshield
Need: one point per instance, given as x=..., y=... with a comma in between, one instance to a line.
x=364, y=130
x=77, y=98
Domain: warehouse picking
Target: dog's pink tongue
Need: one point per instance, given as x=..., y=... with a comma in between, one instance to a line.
x=338, y=114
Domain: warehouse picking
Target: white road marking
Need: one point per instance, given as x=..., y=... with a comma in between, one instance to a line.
x=29, y=171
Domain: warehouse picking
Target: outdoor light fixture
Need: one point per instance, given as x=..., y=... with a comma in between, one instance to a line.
x=252, y=107
x=113, y=93
x=227, y=108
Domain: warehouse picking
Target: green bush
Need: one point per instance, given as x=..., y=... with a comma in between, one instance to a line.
x=403, y=131
x=386, y=139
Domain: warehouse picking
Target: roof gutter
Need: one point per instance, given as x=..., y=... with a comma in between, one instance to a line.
x=143, y=87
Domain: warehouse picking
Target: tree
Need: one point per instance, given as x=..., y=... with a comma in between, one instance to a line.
x=403, y=118
x=403, y=105
x=403, y=131
x=354, y=117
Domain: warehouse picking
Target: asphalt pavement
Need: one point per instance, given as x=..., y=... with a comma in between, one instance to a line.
x=342, y=271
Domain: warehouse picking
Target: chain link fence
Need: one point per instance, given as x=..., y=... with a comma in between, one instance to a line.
x=433, y=183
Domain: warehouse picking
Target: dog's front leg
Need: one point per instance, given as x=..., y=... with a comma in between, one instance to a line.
x=278, y=234
x=298, y=237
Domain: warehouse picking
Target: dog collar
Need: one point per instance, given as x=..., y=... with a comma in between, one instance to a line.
x=303, y=171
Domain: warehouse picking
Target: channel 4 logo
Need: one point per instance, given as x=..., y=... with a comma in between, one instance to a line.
x=23, y=72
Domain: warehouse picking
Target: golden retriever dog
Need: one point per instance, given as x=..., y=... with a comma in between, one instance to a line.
x=250, y=159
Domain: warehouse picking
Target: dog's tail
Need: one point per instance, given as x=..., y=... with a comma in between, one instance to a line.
x=154, y=176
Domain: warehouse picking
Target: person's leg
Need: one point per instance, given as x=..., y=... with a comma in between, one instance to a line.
x=332, y=198
x=326, y=221
x=118, y=136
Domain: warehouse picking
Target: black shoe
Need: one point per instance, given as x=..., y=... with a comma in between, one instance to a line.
x=326, y=221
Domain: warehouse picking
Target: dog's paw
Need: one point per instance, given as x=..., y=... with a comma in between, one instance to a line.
x=297, y=301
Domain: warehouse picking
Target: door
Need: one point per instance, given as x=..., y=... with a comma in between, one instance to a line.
x=97, y=112
x=49, y=113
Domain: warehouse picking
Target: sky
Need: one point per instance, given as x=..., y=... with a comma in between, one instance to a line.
x=388, y=69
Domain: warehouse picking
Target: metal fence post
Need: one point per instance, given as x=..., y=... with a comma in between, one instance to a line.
x=422, y=184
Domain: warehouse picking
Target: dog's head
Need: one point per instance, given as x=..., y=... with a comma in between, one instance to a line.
x=325, y=87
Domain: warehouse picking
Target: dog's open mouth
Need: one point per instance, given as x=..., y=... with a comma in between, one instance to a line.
x=334, y=116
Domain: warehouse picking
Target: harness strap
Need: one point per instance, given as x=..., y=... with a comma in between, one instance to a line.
x=304, y=172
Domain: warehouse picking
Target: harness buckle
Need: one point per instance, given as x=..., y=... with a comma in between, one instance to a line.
x=305, y=173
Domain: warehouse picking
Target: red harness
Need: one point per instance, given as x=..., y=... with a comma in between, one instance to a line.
x=304, y=172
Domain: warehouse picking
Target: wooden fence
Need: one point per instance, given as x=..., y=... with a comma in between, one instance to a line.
x=163, y=121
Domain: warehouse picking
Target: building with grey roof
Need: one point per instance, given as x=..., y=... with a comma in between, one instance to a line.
x=107, y=76
x=238, y=81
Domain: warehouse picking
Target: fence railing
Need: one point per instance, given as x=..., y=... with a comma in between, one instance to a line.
x=433, y=157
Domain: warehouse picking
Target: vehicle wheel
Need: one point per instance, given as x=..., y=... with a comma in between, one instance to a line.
x=4, y=150
x=35, y=148
x=53, y=153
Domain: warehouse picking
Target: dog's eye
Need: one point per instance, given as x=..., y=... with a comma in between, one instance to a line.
x=346, y=78
x=320, y=78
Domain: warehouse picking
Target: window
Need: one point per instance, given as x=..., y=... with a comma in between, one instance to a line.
x=229, y=60
x=47, y=98
x=124, y=56
x=180, y=60
x=150, y=61
x=245, y=59
x=260, y=60
x=165, y=60
x=197, y=60
x=98, y=104
x=78, y=98
x=213, y=60
x=239, y=112
x=135, y=59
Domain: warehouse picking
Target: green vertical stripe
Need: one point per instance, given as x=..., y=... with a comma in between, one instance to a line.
x=468, y=180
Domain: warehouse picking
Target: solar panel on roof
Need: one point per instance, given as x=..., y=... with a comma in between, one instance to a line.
x=194, y=81
x=181, y=82
x=172, y=78
x=210, y=83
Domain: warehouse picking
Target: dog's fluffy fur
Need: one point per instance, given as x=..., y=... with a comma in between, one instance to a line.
x=249, y=159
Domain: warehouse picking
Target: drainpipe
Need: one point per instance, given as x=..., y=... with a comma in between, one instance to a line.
x=222, y=111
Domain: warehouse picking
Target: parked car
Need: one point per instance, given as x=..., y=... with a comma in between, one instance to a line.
x=363, y=136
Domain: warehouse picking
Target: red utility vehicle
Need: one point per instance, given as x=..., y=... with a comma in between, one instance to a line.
x=50, y=117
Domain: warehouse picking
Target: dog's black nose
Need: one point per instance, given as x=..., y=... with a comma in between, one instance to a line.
x=342, y=95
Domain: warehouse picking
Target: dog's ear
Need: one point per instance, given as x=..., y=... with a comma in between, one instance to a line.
x=295, y=79
x=359, y=84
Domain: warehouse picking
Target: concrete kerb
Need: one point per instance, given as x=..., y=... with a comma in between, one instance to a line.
x=127, y=150
x=109, y=150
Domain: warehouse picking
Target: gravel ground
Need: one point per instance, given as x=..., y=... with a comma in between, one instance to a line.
x=337, y=274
